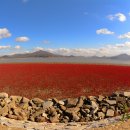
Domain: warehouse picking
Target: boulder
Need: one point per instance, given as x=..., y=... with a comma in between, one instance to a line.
x=126, y=94
x=2, y=102
x=17, y=99
x=55, y=100
x=121, y=100
x=24, y=100
x=38, y=113
x=111, y=102
x=40, y=119
x=47, y=104
x=101, y=115
x=100, y=98
x=24, y=105
x=92, y=98
x=73, y=109
x=61, y=102
x=63, y=108
x=7, y=100
x=94, y=106
x=72, y=102
x=12, y=116
x=37, y=101
x=12, y=105
x=31, y=118
x=110, y=113
x=75, y=117
x=80, y=101
x=4, y=110
x=104, y=109
x=54, y=119
x=128, y=103
x=21, y=115
x=45, y=115
x=3, y=95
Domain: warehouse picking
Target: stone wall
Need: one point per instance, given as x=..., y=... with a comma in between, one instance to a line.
x=81, y=109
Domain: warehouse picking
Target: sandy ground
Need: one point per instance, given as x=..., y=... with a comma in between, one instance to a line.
x=121, y=125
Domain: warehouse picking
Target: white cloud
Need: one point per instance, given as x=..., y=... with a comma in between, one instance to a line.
x=38, y=48
x=5, y=47
x=126, y=35
x=22, y=39
x=4, y=33
x=104, y=31
x=108, y=50
x=17, y=47
x=119, y=16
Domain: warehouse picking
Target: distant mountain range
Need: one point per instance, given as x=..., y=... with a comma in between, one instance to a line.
x=46, y=54
x=39, y=53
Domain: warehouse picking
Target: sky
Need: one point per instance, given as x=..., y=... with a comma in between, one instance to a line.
x=68, y=27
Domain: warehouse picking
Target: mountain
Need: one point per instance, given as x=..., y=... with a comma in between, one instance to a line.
x=39, y=53
x=120, y=57
x=46, y=54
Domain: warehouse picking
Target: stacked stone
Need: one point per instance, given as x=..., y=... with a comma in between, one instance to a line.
x=82, y=109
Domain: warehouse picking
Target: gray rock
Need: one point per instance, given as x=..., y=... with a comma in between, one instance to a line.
x=121, y=100
x=111, y=102
x=55, y=100
x=54, y=119
x=24, y=100
x=7, y=100
x=126, y=94
x=110, y=113
x=40, y=119
x=3, y=95
x=21, y=115
x=100, y=98
x=63, y=108
x=87, y=110
x=80, y=101
x=128, y=103
x=37, y=100
x=2, y=102
x=73, y=109
x=75, y=117
x=104, y=109
x=47, y=104
x=4, y=111
x=61, y=102
x=38, y=113
x=12, y=117
x=94, y=106
x=72, y=102
x=92, y=98
x=17, y=99
x=45, y=115
x=24, y=105
x=101, y=115
x=31, y=118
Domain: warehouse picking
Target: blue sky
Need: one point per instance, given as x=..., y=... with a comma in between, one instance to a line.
x=78, y=27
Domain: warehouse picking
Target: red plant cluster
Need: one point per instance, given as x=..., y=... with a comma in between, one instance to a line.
x=62, y=80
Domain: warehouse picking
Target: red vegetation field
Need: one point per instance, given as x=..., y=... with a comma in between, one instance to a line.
x=62, y=80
